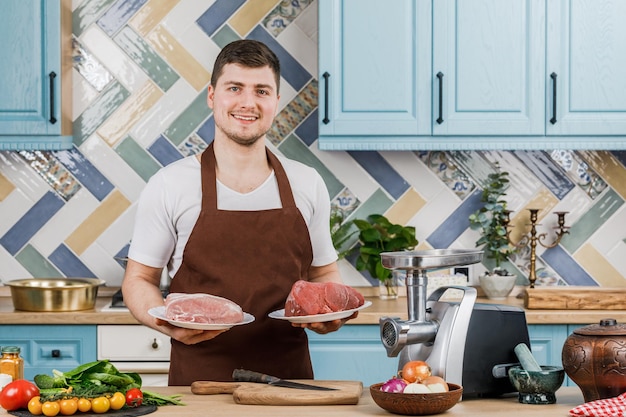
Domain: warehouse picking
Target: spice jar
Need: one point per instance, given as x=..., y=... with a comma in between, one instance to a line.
x=11, y=363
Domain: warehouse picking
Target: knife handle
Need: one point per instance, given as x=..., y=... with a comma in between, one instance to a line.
x=213, y=387
x=251, y=376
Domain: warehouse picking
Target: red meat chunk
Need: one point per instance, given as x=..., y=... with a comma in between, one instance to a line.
x=309, y=298
x=202, y=308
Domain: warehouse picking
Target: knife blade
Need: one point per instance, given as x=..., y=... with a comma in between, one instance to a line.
x=243, y=375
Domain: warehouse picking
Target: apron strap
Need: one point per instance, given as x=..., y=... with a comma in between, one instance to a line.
x=208, y=166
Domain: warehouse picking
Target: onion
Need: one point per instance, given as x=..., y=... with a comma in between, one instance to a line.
x=394, y=385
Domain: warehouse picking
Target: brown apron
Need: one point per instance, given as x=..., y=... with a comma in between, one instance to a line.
x=252, y=258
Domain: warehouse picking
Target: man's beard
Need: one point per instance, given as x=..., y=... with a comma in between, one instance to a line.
x=244, y=140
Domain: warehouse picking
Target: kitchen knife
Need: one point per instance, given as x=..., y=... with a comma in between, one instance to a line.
x=242, y=375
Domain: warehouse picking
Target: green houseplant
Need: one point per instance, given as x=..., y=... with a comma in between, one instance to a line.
x=376, y=235
x=491, y=221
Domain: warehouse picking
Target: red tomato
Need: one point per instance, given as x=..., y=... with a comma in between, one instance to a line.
x=134, y=397
x=17, y=394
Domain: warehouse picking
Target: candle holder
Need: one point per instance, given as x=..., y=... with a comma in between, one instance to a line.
x=531, y=239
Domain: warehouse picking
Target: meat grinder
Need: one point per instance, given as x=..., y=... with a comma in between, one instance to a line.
x=435, y=331
x=466, y=343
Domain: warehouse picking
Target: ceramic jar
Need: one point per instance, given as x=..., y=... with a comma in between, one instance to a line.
x=594, y=357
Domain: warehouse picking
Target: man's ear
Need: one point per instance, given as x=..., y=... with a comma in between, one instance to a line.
x=209, y=96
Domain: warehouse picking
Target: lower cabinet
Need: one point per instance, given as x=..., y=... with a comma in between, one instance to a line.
x=547, y=342
x=354, y=352
x=47, y=347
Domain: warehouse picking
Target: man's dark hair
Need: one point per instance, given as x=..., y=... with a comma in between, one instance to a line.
x=247, y=53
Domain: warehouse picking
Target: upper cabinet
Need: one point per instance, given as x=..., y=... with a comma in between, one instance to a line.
x=586, y=68
x=472, y=74
x=488, y=61
x=374, y=67
x=30, y=103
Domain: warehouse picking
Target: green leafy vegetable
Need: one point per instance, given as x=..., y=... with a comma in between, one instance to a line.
x=152, y=398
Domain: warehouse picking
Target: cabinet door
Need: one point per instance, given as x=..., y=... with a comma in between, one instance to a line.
x=587, y=55
x=354, y=352
x=30, y=65
x=374, y=67
x=48, y=347
x=488, y=67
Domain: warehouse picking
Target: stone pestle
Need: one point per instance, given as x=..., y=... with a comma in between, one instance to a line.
x=526, y=358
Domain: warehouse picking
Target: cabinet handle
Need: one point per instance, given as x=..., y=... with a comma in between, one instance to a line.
x=55, y=353
x=155, y=344
x=553, y=119
x=440, y=77
x=326, y=120
x=52, y=76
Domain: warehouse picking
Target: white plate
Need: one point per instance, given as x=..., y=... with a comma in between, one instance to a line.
x=159, y=313
x=317, y=318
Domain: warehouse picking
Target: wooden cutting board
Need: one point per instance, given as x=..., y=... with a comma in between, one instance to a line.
x=575, y=298
x=348, y=392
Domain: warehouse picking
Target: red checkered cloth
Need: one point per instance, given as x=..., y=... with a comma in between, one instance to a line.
x=608, y=407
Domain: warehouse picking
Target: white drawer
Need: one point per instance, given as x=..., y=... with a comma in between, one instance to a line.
x=132, y=343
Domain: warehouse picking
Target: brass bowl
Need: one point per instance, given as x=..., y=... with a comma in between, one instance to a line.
x=54, y=294
x=417, y=404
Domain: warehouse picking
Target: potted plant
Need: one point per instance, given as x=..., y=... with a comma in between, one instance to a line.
x=376, y=235
x=491, y=220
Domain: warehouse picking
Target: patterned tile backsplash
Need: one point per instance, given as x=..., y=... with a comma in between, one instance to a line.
x=140, y=71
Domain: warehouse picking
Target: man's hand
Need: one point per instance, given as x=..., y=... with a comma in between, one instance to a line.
x=326, y=326
x=187, y=336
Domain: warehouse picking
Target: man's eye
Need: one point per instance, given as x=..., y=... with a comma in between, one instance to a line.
x=263, y=92
x=234, y=88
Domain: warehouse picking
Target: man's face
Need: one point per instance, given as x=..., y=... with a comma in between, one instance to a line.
x=244, y=103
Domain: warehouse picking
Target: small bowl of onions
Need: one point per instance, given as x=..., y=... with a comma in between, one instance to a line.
x=424, y=394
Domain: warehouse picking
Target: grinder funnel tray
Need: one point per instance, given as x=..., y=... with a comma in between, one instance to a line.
x=430, y=259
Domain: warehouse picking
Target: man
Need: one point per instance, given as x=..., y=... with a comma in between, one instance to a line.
x=236, y=222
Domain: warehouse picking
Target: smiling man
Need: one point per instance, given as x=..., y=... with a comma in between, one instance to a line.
x=237, y=222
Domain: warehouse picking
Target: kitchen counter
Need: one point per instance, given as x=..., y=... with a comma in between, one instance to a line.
x=223, y=405
x=379, y=308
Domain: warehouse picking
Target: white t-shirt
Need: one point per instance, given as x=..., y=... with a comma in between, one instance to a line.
x=170, y=205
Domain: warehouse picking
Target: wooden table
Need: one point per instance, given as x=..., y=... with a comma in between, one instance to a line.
x=223, y=406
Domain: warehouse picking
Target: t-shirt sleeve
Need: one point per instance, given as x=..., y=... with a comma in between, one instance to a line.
x=324, y=252
x=154, y=237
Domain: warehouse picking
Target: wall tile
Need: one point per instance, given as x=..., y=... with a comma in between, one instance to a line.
x=140, y=73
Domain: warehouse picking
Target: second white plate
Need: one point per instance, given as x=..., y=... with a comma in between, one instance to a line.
x=317, y=318
x=159, y=313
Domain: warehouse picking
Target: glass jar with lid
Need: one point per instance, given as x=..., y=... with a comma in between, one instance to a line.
x=11, y=362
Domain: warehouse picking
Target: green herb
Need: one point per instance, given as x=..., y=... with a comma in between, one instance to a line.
x=152, y=398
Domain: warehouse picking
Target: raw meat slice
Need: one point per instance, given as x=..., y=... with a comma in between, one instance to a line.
x=309, y=298
x=202, y=308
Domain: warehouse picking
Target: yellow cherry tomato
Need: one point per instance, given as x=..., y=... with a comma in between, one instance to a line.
x=84, y=405
x=34, y=406
x=68, y=406
x=100, y=405
x=50, y=408
x=118, y=400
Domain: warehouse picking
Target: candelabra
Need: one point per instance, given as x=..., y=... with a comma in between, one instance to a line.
x=532, y=238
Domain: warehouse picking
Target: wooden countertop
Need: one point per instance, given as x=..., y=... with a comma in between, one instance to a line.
x=223, y=406
x=379, y=308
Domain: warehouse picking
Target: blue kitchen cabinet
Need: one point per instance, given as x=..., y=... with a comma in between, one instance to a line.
x=354, y=352
x=47, y=347
x=374, y=69
x=473, y=74
x=488, y=65
x=30, y=109
x=586, y=59
x=547, y=342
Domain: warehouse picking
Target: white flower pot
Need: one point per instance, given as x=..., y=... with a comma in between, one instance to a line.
x=497, y=287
